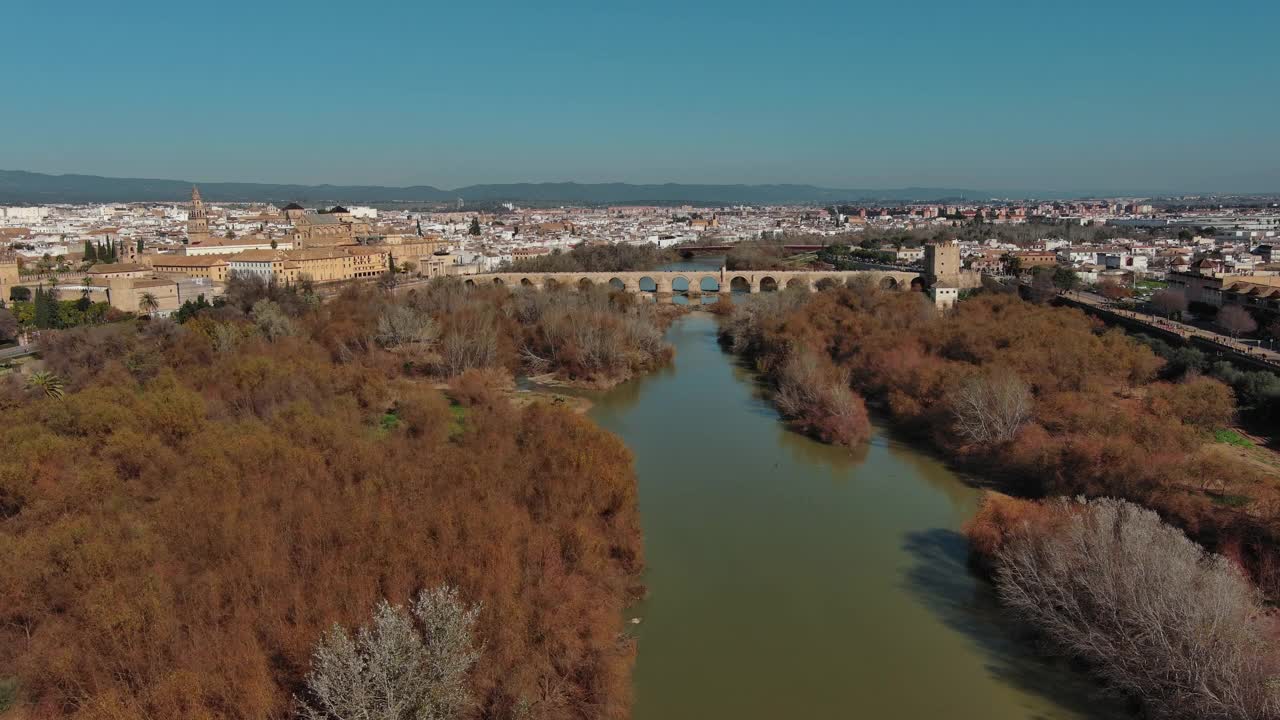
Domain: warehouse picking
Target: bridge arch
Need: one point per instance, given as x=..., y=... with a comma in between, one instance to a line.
x=688, y=284
x=551, y=283
x=919, y=284
x=585, y=284
x=826, y=283
x=738, y=283
x=469, y=283
x=797, y=283
x=647, y=284
x=526, y=282
x=702, y=284
x=888, y=282
x=498, y=281
x=768, y=283
x=617, y=283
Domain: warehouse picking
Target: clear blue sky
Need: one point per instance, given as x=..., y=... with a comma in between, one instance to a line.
x=1126, y=95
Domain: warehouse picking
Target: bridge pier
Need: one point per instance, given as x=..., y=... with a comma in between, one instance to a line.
x=664, y=285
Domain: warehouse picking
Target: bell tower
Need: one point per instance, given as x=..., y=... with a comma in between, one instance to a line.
x=197, y=219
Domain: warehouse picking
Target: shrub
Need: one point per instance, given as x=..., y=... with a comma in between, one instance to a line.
x=817, y=399
x=1200, y=402
x=480, y=386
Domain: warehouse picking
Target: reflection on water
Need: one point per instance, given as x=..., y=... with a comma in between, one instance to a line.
x=790, y=579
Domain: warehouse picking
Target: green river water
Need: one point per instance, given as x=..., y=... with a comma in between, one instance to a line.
x=790, y=579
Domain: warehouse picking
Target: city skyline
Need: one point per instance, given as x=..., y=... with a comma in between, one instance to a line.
x=1151, y=98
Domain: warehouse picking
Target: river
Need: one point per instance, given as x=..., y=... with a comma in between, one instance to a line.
x=791, y=579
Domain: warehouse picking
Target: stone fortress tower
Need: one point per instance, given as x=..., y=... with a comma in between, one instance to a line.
x=942, y=270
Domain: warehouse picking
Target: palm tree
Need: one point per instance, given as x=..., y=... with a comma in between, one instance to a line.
x=46, y=382
x=148, y=303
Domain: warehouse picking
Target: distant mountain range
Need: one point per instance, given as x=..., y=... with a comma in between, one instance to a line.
x=19, y=186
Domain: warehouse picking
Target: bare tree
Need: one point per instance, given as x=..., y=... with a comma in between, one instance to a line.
x=1236, y=320
x=1170, y=302
x=226, y=337
x=271, y=320
x=991, y=408
x=394, y=669
x=407, y=330
x=470, y=342
x=1152, y=613
x=744, y=326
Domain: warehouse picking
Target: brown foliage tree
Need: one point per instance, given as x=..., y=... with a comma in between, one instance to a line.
x=8, y=326
x=1236, y=320
x=177, y=534
x=1113, y=291
x=1200, y=402
x=1170, y=302
x=816, y=397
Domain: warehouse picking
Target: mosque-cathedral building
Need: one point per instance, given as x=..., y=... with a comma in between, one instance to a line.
x=325, y=246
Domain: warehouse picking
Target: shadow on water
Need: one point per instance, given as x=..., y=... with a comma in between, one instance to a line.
x=941, y=580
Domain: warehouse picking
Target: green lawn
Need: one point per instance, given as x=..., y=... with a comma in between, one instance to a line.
x=8, y=693
x=1231, y=437
x=1234, y=501
x=459, y=418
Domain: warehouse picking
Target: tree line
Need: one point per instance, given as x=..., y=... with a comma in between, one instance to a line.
x=613, y=257
x=43, y=310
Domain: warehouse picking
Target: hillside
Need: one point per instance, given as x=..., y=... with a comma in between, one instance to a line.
x=20, y=186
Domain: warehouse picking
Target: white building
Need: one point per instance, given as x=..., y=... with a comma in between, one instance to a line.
x=1123, y=261
x=15, y=215
x=909, y=255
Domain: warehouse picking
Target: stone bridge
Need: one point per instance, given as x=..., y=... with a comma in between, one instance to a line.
x=706, y=281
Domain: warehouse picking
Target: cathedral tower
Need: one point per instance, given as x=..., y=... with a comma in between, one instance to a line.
x=197, y=219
